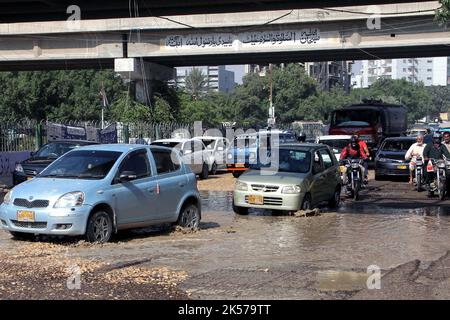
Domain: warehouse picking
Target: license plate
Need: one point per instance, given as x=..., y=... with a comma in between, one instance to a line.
x=240, y=165
x=25, y=216
x=401, y=167
x=255, y=199
x=29, y=178
x=342, y=168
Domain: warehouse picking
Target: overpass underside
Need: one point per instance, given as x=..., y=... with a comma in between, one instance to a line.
x=39, y=46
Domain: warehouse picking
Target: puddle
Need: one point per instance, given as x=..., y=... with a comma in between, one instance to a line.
x=331, y=280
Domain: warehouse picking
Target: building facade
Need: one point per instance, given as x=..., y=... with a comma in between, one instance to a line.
x=217, y=78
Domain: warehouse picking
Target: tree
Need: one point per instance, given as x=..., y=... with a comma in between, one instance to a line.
x=443, y=13
x=195, y=83
x=440, y=97
x=125, y=109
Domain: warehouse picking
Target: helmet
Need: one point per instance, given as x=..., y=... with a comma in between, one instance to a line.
x=437, y=138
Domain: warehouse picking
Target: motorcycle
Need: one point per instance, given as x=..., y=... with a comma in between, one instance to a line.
x=439, y=184
x=354, y=179
x=419, y=174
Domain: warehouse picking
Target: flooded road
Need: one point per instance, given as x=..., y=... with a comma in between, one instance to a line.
x=261, y=256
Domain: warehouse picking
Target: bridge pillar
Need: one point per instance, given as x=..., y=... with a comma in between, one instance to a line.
x=143, y=75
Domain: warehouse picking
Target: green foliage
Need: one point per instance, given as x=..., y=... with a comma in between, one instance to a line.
x=195, y=83
x=443, y=13
x=125, y=109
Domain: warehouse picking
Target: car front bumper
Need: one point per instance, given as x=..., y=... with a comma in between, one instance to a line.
x=47, y=220
x=391, y=169
x=272, y=200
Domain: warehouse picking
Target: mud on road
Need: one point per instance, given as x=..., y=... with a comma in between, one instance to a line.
x=259, y=256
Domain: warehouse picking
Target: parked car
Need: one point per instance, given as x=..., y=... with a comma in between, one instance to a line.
x=307, y=175
x=390, y=158
x=336, y=143
x=40, y=159
x=245, y=148
x=97, y=190
x=217, y=148
x=193, y=152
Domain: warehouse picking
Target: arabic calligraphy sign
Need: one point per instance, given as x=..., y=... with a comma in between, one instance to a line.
x=266, y=38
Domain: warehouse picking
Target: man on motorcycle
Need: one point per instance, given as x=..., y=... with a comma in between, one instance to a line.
x=415, y=151
x=364, y=147
x=436, y=151
x=353, y=150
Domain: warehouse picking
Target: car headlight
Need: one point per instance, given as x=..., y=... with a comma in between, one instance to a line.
x=19, y=168
x=241, y=186
x=291, y=189
x=7, y=198
x=71, y=199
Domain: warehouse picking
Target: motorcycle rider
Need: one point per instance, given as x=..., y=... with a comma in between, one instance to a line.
x=415, y=151
x=363, y=145
x=436, y=151
x=353, y=150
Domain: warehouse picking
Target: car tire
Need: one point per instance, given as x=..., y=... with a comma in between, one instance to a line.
x=205, y=172
x=336, y=199
x=99, y=227
x=189, y=216
x=213, y=169
x=242, y=211
x=307, y=202
x=22, y=236
x=237, y=174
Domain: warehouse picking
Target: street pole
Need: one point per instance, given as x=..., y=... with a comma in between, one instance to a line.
x=271, y=120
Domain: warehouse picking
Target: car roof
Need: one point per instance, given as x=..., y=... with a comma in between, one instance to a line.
x=209, y=138
x=335, y=137
x=303, y=146
x=113, y=147
x=73, y=141
x=177, y=140
x=401, y=139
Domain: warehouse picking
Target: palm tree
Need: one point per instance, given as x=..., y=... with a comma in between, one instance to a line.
x=195, y=83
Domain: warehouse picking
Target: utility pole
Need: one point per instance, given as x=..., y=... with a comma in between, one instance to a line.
x=271, y=119
x=105, y=103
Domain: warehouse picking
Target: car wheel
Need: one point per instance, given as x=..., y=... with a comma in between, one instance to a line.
x=336, y=200
x=205, y=171
x=242, y=211
x=237, y=174
x=99, y=227
x=214, y=169
x=307, y=204
x=22, y=236
x=189, y=216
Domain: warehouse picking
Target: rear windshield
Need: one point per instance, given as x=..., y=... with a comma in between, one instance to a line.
x=297, y=161
x=336, y=144
x=397, y=146
x=176, y=145
x=355, y=118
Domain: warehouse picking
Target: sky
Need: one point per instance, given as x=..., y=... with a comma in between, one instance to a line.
x=238, y=72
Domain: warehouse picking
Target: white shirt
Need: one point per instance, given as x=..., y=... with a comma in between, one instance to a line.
x=415, y=150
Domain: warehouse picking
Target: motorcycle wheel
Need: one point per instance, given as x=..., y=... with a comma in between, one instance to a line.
x=356, y=191
x=441, y=190
x=419, y=182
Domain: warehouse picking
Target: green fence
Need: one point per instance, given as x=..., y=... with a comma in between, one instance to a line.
x=29, y=135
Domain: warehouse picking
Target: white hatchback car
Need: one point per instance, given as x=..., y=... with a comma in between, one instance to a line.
x=217, y=148
x=193, y=153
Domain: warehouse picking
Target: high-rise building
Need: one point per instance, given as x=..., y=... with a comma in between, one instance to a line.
x=217, y=78
x=430, y=71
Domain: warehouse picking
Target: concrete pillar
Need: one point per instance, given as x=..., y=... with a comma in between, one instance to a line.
x=143, y=75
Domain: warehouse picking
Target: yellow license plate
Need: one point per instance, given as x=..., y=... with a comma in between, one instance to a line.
x=401, y=167
x=25, y=216
x=255, y=199
x=240, y=165
x=342, y=168
x=29, y=178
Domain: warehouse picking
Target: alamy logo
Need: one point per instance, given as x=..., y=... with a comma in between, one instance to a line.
x=73, y=22
x=74, y=280
x=374, y=279
x=374, y=21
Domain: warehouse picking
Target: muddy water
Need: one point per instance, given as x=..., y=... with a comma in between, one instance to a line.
x=352, y=238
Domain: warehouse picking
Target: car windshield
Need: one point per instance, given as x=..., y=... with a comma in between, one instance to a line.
x=354, y=118
x=337, y=144
x=297, y=161
x=167, y=144
x=209, y=143
x=54, y=150
x=82, y=164
x=397, y=146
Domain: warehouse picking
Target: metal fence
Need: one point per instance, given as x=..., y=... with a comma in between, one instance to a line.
x=29, y=135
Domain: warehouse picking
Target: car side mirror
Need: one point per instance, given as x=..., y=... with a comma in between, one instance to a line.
x=32, y=154
x=127, y=176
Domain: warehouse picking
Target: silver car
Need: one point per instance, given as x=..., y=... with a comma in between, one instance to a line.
x=97, y=190
x=306, y=175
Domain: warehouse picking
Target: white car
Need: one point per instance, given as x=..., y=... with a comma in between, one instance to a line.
x=193, y=153
x=335, y=142
x=217, y=148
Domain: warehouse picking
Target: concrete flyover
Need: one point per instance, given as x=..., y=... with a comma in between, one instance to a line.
x=272, y=36
x=48, y=10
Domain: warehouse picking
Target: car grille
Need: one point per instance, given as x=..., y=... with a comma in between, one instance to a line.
x=19, y=202
x=270, y=201
x=29, y=225
x=264, y=188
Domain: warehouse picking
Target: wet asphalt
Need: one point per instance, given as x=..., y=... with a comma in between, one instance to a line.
x=393, y=228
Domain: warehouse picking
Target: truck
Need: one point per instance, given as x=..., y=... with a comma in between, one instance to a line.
x=372, y=120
